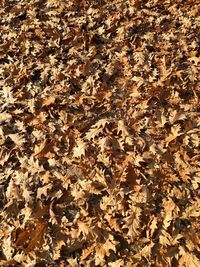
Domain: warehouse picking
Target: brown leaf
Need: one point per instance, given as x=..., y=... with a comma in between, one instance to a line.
x=131, y=176
x=36, y=237
x=23, y=236
x=45, y=149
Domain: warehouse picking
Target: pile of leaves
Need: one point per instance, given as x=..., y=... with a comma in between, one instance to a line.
x=99, y=133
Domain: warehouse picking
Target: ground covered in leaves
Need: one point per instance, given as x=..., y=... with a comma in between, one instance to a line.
x=99, y=133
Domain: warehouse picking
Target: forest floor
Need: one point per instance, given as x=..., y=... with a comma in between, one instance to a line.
x=99, y=133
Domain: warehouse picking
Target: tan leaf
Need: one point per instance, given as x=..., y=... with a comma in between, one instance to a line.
x=152, y=227
x=103, y=249
x=175, y=132
x=112, y=222
x=83, y=228
x=48, y=101
x=187, y=259
x=125, y=134
x=79, y=149
x=18, y=139
x=43, y=190
x=86, y=252
x=117, y=263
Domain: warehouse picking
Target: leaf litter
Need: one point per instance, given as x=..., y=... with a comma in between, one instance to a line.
x=99, y=133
